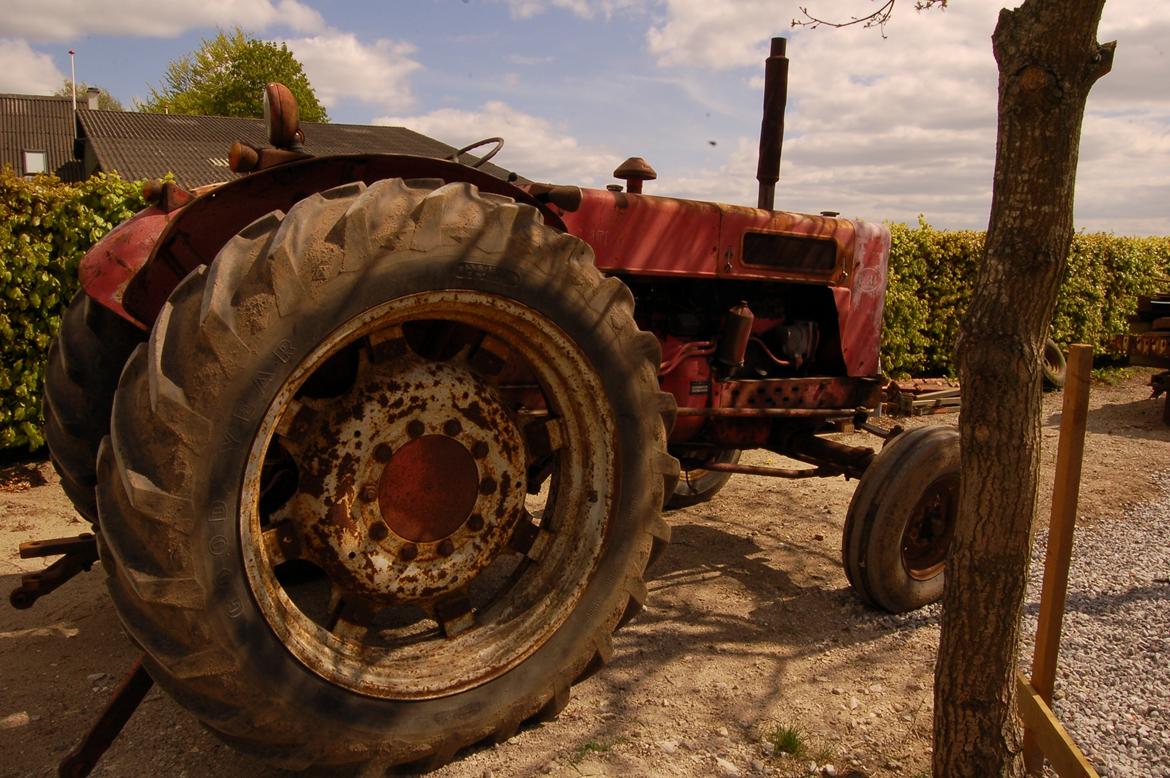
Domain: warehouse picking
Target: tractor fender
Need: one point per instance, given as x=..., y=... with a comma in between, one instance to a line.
x=113, y=261
x=199, y=230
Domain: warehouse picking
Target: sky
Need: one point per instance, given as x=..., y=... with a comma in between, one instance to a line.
x=889, y=127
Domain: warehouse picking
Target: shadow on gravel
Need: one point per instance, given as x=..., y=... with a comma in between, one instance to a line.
x=1140, y=419
x=1110, y=603
x=726, y=618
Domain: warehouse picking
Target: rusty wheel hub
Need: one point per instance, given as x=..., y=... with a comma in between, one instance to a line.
x=404, y=501
x=927, y=536
x=387, y=531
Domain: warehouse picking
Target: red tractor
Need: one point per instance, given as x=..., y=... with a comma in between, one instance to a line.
x=377, y=447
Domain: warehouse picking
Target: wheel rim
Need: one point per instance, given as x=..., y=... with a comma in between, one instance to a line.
x=386, y=531
x=928, y=532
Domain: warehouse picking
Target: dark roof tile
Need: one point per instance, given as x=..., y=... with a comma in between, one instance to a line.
x=38, y=123
x=195, y=148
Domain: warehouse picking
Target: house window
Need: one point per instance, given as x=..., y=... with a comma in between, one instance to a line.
x=35, y=162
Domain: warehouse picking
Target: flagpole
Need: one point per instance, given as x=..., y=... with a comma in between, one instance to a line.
x=73, y=80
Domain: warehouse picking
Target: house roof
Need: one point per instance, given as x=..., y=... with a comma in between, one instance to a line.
x=195, y=148
x=37, y=123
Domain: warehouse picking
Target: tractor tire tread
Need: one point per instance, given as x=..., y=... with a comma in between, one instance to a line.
x=162, y=432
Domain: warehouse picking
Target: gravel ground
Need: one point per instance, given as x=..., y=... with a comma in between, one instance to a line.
x=1113, y=673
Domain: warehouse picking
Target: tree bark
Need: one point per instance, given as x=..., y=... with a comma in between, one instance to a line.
x=1048, y=60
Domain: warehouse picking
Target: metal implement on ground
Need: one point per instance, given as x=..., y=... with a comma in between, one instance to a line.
x=1148, y=343
x=77, y=555
x=378, y=446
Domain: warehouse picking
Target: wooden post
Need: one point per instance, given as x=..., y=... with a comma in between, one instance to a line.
x=1065, y=491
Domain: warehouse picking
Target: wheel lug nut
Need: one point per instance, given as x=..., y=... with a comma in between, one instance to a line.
x=415, y=429
x=479, y=449
x=368, y=494
x=475, y=523
x=383, y=453
x=452, y=428
x=408, y=552
x=378, y=531
x=446, y=548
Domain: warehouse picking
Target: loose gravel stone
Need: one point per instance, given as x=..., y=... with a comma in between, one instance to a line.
x=726, y=768
x=1112, y=671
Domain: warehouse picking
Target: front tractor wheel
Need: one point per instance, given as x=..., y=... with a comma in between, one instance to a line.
x=386, y=477
x=696, y=484
x=901, y=519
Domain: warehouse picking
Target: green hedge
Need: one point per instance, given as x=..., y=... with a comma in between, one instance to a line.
x=932, y=272
x=46, y=226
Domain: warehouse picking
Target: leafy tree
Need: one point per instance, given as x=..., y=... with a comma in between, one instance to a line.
x=226, y=75
x=106, y=101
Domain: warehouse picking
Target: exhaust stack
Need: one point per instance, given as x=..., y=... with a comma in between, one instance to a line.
x=772, y=126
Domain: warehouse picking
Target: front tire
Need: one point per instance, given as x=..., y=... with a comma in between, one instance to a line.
x=314, y=498
x=901, y=519
x=697, y=485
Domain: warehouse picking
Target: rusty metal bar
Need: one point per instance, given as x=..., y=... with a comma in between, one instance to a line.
x=881, y=432
x=851, y=460
x=772, y=124
x=121, y=706
x=774, y=472
x=771, y=413
x=78, y=555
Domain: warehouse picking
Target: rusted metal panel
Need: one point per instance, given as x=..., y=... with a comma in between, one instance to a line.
x=643, y=234
x=824, y=393
x=861, y=298
x=109, y=265
x=803, y=232
x=211, y=220
x=633, y=233
x=1149, y=348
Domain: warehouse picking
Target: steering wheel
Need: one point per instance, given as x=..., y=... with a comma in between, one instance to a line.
x=499, y=145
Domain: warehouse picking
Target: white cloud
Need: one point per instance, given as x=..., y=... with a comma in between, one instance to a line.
x=879, y=128
x=55, y=20
x=534, y=147
x=25, y=71
x=716, y=33
x=1122, y=181
x=585, y=9
x=340, y=66
x=887, y=128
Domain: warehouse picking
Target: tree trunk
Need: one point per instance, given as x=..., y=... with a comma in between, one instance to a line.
x=1048, y=59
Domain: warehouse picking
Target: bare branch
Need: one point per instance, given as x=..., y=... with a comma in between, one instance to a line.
x=876, y=19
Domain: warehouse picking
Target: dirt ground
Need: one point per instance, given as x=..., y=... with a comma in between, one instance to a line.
x=750, y=626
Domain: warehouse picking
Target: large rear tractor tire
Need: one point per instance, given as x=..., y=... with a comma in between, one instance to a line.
x=697, y=485
x=901, y=519
x=81, y=375
x=385, y=477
